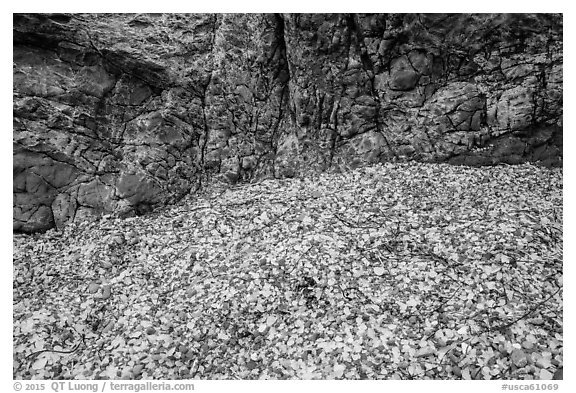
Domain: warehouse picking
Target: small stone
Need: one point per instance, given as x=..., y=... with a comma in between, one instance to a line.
x=270, y=320
x=106, y=264
x=106, y=292
x=378, y=271
x=150, y=330
x=316, y=194
x=251, y=365
x=518, y=357
x=440, y=342
x=457, y=371
x=543, y=362
x=527, y=344
x=137, y=370
x=93, y=287
x=117, y=239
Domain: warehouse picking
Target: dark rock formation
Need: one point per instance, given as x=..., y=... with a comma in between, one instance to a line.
x=122, y=113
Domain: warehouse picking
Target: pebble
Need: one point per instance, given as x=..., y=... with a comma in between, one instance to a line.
x=106, y=292
x=440, y=343
x=108, y=327
x=518, y=358
x=527, y=344
x=137, y=370
x=150, y=330
x=457, y=371
x=251, y=365
x=106, y=264
x=127, y=375
x=117, y=239
x=555, y=362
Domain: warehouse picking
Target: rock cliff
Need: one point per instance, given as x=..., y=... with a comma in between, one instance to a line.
x=124, y=112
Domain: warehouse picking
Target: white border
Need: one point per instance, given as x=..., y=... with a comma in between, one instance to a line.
x=6, y=382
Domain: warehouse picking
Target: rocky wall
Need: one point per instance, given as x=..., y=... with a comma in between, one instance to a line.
x=125, y=112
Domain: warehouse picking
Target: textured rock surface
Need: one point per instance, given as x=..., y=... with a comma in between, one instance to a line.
x=122, y=113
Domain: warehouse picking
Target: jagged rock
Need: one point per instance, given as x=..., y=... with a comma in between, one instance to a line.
x=404, y=75
x=515, y=109
x=120, y=113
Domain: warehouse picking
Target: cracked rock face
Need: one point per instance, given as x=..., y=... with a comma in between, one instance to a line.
x=123, y=113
